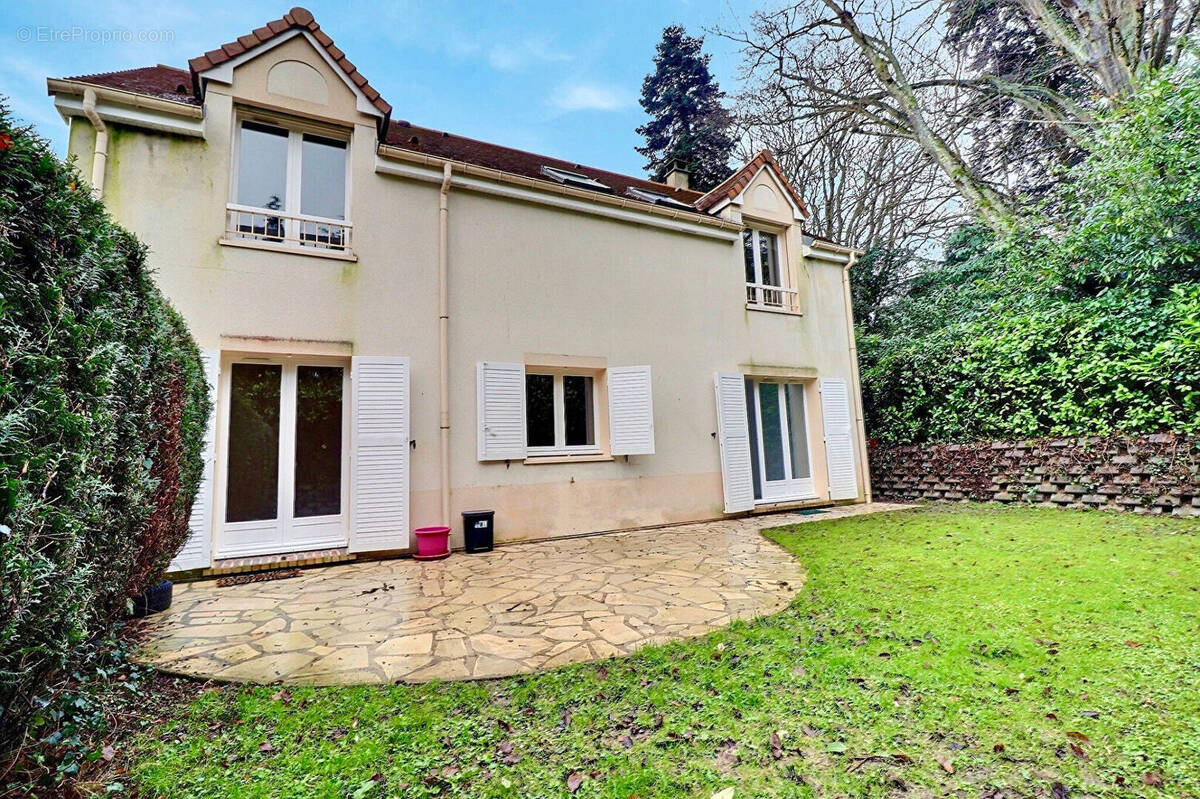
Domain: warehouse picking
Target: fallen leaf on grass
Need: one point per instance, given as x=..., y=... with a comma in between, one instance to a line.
x=776, y=746
x=1059, y=791
x=1078, y=736
x=574, y=780
x=836, y=747
x=998, y=748
x=727, y=756
x=946, y=763
x=1077, y=750
x=1153, y=779
x=266, y=746
x=108, y=753
x=626, y=741
x=509, y=758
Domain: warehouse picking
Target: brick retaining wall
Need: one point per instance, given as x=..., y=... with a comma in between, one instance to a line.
x=1157, y=473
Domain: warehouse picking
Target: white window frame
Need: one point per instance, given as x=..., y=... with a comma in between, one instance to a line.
x=769, y=296
x=291, y=211
x=791, y=488
x=286, y=532
x=560, y=446
x=755, y=233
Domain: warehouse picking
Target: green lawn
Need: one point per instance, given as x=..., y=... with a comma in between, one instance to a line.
x=968, y=651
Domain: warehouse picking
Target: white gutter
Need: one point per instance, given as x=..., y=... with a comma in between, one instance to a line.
x=100, y=155
x=418, y=166
x=444, y=337
x=854, y=376
x=127, y=108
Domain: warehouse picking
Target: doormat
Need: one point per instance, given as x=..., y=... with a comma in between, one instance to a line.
x=257, y=577
x=811, y=512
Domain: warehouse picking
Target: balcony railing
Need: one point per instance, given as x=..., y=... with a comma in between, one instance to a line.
x=287, y=230
x=776, y=298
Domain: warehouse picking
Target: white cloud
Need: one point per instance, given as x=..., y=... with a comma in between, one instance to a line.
x=523, y=53
x=589, y=97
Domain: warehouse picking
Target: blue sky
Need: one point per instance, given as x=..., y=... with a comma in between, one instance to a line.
x=557, y=78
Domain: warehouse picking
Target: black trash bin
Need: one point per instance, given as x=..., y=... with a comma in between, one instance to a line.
x=478, y=530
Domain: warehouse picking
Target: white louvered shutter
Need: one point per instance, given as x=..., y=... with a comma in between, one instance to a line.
x=839, y=443
x=197, y=551
x=733, y=435
x=630, y=411
x=379, y=474
x=501, y=410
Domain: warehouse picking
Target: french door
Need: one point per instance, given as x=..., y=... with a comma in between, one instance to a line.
x=284, y=484
x=779, y=450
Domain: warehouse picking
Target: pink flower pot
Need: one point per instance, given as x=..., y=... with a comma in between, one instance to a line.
x=432, y=543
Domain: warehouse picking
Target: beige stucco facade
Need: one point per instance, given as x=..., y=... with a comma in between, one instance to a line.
x=536, y=275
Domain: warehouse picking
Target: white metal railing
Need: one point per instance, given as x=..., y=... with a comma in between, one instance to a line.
x=289, y=230
x=767, y=296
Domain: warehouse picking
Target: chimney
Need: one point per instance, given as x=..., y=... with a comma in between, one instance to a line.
x=677, y=176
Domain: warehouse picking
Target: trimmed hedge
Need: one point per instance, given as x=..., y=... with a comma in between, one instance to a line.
x=102, y=408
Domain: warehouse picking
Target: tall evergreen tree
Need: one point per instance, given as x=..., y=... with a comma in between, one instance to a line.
x=688, y=122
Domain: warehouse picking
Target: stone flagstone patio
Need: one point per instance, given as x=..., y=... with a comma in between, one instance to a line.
x=518, y=609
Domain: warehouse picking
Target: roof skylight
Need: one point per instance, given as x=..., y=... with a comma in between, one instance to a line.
x=573, y=179
x=658, y=199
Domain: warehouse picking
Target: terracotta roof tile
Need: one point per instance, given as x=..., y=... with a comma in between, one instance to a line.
x=733, y=185
x=163, y=82
x=300, y=18
x=519, y=162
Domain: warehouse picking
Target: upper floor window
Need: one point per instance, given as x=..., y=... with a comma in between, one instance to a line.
x=560, y=414
x=299, y=177
x=766, y=279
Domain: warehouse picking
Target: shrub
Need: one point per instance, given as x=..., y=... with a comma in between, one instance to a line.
x=102, y=408
x=1084, y=321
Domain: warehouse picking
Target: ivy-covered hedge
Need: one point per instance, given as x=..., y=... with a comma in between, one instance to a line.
x=1085, y=320
x=102, y=408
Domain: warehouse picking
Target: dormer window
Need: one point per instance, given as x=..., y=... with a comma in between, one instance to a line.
x=766, y=275
x=574, y=179
x=289, y=189
x=657, y=198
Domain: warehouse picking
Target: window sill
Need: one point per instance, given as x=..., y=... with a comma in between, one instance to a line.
x=589, y=457
x=314, y=252
x=750, y=306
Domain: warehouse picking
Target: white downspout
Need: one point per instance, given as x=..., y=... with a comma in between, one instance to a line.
x=444, y=337
x=858, y=409
x=100, y=156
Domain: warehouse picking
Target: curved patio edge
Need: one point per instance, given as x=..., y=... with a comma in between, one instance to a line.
x=520, y=609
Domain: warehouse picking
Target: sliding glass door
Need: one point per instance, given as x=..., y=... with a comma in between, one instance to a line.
x=779, y=440
x=285, y=456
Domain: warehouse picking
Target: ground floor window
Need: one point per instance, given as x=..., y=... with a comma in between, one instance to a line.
x=560, y=413
x=778, y=418
x=285, y=456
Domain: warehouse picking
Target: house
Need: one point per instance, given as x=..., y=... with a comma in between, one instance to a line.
x=400, y=324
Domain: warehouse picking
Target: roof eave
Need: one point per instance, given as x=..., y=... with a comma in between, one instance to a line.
x=600, y=198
